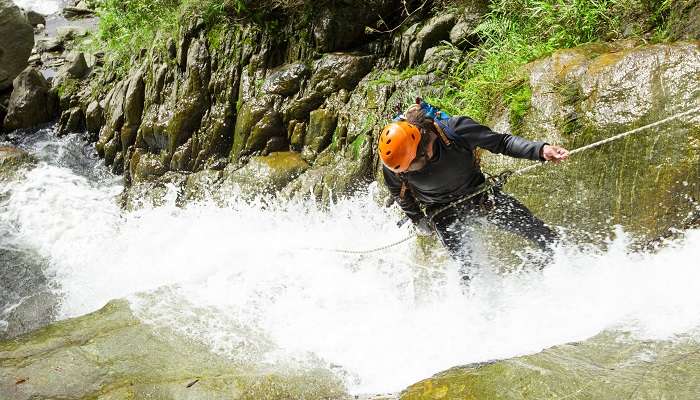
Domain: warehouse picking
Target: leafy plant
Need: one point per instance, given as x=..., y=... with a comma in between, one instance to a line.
x=516, y=32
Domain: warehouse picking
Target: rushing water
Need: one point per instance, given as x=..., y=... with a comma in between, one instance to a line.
x=244, y=279
x=45, y=7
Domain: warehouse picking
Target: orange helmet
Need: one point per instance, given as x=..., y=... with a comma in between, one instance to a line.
x=398, y=144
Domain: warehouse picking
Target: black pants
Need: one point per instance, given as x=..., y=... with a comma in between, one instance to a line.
x=455, y=225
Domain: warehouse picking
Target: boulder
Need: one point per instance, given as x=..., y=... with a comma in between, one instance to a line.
x=32, y=102
x=472, y=15
x=286, y=80
x=579, y=96
x=77, y=12
x=431, y=33
x=264, y=174
x=11, y=160
x=72, y=121
x=94, y=117
x=76, y=66
x=612, y=365
x=111, y=354
x=319, y=132
x=35, y=19
x=16, y=42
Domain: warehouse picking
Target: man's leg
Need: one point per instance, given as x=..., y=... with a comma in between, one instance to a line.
x=455, y=234
x=510, y=214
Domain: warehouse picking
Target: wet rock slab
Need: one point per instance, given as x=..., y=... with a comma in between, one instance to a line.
x=608, y=366
x=110, y=354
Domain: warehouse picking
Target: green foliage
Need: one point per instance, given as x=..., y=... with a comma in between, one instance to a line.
x=67, y=87
x=129, y=25
x=126, y=26
x=516, y=32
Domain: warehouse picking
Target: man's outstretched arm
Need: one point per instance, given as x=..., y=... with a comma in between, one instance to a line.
x=472, y=134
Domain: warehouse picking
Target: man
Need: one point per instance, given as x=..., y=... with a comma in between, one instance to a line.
x=430, y=163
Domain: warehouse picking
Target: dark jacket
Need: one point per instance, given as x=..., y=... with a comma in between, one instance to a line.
x=453, y=171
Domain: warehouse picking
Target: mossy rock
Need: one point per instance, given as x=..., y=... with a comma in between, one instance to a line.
x=13, y=160
x=264, y=174
x=607, y=367
x=111, y=354
x=647, y=182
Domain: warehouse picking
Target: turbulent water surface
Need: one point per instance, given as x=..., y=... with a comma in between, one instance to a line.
x=244, y=278
x=45, y=7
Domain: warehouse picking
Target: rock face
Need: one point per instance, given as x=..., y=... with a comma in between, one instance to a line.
x=608, y=366
x=32, y=102
x=11, y=160
x=110, y=354
x=16, y=42
x=203, y=104
x=644, y=182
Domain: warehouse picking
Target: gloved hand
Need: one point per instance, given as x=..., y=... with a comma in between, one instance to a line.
x=423, y=227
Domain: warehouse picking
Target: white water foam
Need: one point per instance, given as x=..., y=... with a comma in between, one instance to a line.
x=45, y=7
x=242, y=279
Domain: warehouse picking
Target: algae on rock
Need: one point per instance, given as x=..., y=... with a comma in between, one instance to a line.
x=111, y=354
x=609, y=366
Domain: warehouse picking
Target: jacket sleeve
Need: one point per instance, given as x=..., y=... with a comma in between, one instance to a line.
x=408, y=204
x=471, y=135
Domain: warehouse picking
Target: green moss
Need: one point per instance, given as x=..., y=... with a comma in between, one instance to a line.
x=67, y=88
x=518, y=101
x=215, y=36
x=356, y=146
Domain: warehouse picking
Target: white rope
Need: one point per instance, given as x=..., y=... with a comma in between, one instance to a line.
x=522, y=171
x=612, y=138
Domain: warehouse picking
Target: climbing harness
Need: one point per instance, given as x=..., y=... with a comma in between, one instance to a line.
x=497, y=181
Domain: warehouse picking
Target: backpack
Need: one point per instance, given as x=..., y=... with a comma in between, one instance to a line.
x=439, y=117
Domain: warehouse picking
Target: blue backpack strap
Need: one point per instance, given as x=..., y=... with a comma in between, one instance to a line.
x=440, y=119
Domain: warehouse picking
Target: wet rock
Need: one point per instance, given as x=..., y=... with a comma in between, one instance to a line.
x=35, y=311
x=35, y=18
x=111, y=354
x=583, y=95
x=201, y=185
x=16, y=42
x=608, y=366
x=11, y=160
x=331, y=73
x=147, y=166
x=430, y=34
x=461, y=34
x=26, y=303
x=343, y=25
x=257, y=122
x=296, y=137
x=72, y=121
x=76, y=66
x=77, y=12
x=319, y=132
x=94, y=117
x=286, y=80
x=192, y=99
x=133, y=109
x=264, y=174
x=50, y=44
x=31, y=103
x=71, y=32
x=441, y=58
